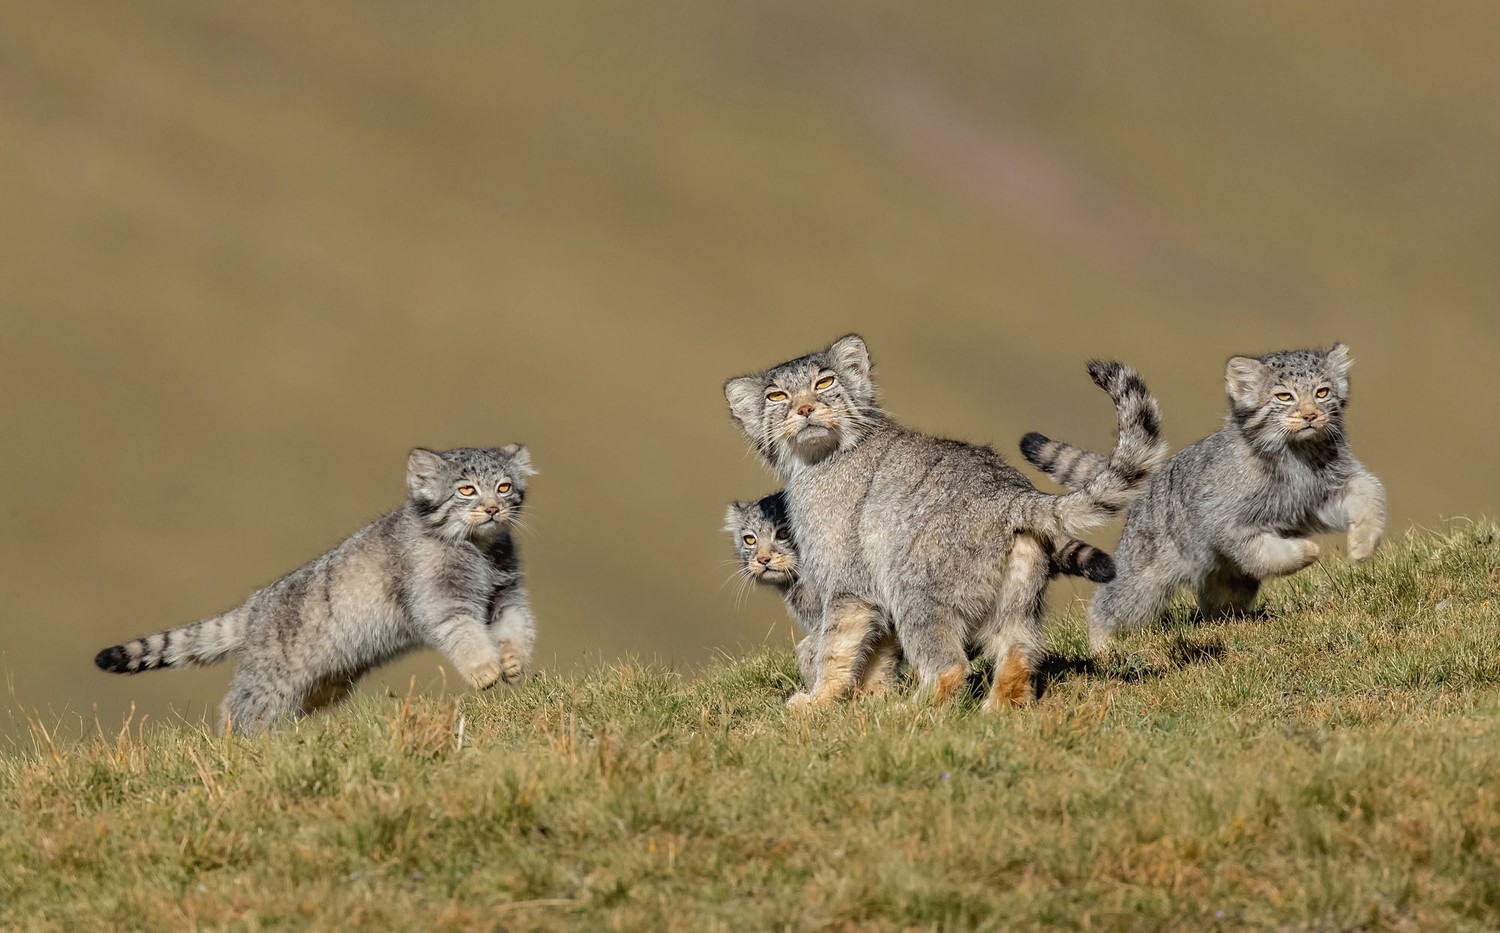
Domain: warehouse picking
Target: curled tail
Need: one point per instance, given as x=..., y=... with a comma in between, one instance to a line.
x=200, y=643
x=1104, y=486
x=1074, y=558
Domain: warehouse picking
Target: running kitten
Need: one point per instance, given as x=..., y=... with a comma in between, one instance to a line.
x=442, y=570
x=947, y=538
x=762, y=533
x=1235, y=508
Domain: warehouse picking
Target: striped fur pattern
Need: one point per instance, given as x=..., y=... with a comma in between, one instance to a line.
x=443, y=570
x=1237, y=507
x=951, y=542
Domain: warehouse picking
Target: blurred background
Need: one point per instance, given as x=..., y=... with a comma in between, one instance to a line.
x=252, y=253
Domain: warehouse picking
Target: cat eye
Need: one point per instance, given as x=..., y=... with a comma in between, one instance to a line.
x=1323, y=392
x=503, y=488
x=823, y=383
x=782, y=534
x=466, y=490
x=1284, y=396
x=775, y=395
x=749, y=539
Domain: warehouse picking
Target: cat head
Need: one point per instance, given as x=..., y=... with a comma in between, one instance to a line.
x=1289, y=397
x=469, y=493
x=803, y=410
x=763, y=540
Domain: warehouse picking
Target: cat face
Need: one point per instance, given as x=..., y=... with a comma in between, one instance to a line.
x=1289, y=397
x=468, y=493
x=804, y=410
x=763, y=540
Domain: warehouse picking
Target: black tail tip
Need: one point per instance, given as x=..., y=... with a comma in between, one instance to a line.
x=113, y=659
x=1103, y=372
x=1032, y=444
x=1100, y=568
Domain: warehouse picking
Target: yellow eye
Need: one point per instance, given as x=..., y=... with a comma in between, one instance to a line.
x=823, y=383
x=1284, y=396
x=503, y=488
x=775, y=395
x=466, y=490
x=749, y=539
x=1323, y=392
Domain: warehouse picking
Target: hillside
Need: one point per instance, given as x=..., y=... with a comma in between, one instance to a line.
x=1323, y=767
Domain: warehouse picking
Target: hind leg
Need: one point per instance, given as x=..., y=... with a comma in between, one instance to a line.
x=879, y=675
x=1011, y=637
x=1226, y=593
x=258, y=700
x=933, y=638
x=846, y=635
x=1127, y=601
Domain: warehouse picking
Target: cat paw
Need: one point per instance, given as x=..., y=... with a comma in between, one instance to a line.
x=800, y=701
x=483, y=675
x=1310, y=554
x=1362, y=543
x=511, y=667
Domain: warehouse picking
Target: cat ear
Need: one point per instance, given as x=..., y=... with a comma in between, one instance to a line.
x=1243, y=377
x=1339, y=359
x=423, y=470
x=520, y=458
x=732, y=516
x=850, y=356
x=746, y=398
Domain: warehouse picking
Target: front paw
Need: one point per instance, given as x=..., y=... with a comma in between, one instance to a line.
x=512, y=666
x=1310, y=554
x=1363, y=541
x=800, y=701
x=483, y=675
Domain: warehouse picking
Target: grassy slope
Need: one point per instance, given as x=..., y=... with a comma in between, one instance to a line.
x=1327, y=765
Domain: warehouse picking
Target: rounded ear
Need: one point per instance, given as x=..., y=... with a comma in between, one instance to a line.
x=424, y=468
x=1339, y=359
x=732, y=516
x=745, y=397
x=850, y=355
x=520, y=458
x=1242, y=378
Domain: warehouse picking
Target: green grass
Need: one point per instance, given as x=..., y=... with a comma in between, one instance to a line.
x=1326, y=767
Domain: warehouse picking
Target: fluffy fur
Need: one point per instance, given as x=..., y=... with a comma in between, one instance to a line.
x=1235, y=508
x=442, y=570
x=952, y=542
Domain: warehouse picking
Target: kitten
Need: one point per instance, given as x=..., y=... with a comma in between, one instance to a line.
x=1235, y=508
x=762, y=533
x=946, y=537
x=442, y=570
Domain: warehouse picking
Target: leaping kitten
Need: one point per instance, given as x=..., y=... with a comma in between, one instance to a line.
x=442, y=570
x=1235, y=508
x=762, y=533
x=945, y=537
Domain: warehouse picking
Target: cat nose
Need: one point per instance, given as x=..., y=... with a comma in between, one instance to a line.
x=763, y=559
x=804, y=410
x=492, y=510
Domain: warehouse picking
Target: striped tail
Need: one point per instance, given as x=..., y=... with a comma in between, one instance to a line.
x=1074, y=558
x=1064, y=464
x=206, y=642
x=1117, y=481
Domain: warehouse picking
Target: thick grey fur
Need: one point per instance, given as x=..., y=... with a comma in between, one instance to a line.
x=767, y=551
x=443, y=570
x=948, y=539
x=1235, y=508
